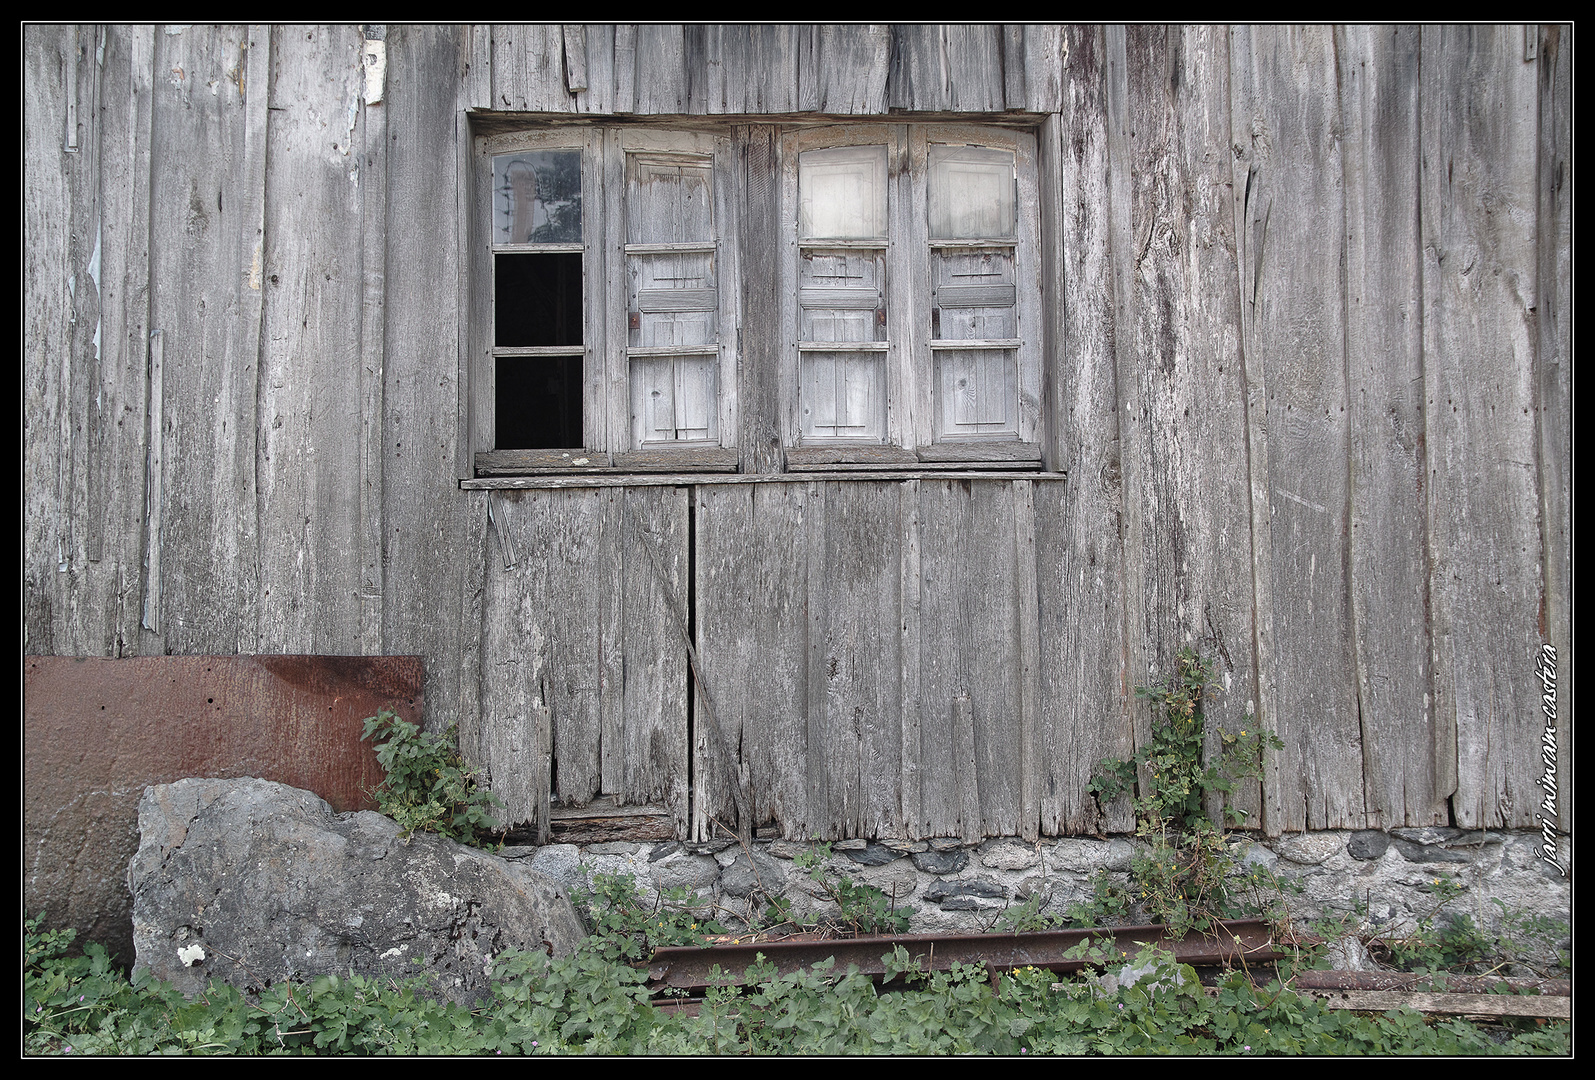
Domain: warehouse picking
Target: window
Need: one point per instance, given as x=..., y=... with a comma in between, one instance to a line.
x=909, y=285
x=914, y=294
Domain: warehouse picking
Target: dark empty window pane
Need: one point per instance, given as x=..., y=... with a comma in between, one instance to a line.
x=538, y=402
x=537, y=299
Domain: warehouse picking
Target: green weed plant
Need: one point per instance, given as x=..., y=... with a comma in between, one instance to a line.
x=428, y=785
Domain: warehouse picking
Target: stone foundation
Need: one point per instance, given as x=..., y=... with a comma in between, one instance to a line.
x=948, y=886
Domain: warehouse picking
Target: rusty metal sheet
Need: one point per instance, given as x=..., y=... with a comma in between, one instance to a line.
x=688, y=968
x=97, y=731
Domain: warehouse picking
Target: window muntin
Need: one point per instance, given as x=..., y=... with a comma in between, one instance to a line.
x=842, y=340
x=540, y=312
x=672, y=344
x=909, y=293
x=973, y=224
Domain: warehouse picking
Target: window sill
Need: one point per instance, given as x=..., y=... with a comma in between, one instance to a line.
x=497, y=463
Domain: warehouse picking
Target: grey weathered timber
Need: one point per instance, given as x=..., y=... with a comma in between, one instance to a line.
x=1284, y=93
x=1389, y=581
x=1477, y=202
x=1085, y=698
x=1177, y=335
x=577, y=618
x=1553, y=312
x=1304, y=405
x=205, y=246
x=51, y=189
x=751, y=633
x=311, y=350
x=431, y=561
x=118, y=449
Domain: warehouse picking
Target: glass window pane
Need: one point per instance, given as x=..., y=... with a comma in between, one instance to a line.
x=973, y=193
x=537, y=402
x=842, y=193
x=537, y=197
x=537, y=299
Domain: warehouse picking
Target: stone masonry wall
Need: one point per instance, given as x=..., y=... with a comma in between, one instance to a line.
x=950, y=887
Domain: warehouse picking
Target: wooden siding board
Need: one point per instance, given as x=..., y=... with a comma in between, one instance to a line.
x=756, y=152
x=1084, y=693
x=205, y=217
x=515, y=661
x=429, y=548
x=843, y=69
x=990, y=651
x=1177, y=336
x=1377, y=69
x=598, y=97
x=373, y=225
x=1553, y=236
x=661, y=69
x=48, y=196
x=475, y=66
x=124, y=369
x=1477, y=199
x=860, y=657
x=309, y=495
x=751, y=618
x=1285, y=86
x=529, y=68
x=649, y=652
x=1046, y=52
x=913, y=778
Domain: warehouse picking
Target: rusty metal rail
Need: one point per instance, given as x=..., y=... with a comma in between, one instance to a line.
x=689, y=969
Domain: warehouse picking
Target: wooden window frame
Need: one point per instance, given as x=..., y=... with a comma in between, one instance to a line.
x=910, y=437
x=909, y=441
x=608, y=439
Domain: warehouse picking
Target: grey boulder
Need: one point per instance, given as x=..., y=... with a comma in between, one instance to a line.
x=251, y=882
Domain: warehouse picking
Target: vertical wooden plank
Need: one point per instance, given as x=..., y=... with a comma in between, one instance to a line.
x=1046, y=52
x=661, y=85
x=912, y=782
x=816, y=715
x=47, y=183
x=919, y=78
x=860, y=657
x=124, y=387
x=529, y=68
x=309, y=499
x=1553, y=236
x=1477, y=197
x=1176, y=338
x=843, y=69
x=991, y=655
x=429, y=545
x=211, y=92
x=1013, y=66
x=373, y=211
x=953, y=692
x=598, y=97
x=475, y=66
x=1377, y=72
x=511, y=741
x=625, y=69
x=755, y=151
x=752, y=616
x=1026, y=657
x=574, y=39
x=1084, y=693
x=652, y=654
x=1285, y=87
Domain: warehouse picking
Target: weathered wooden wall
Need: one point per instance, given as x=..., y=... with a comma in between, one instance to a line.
x=1308, y=377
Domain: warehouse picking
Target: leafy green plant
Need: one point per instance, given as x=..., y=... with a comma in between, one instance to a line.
x=428, y=785
x=862, y=909
x=626, y=926
x=1183, y=872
